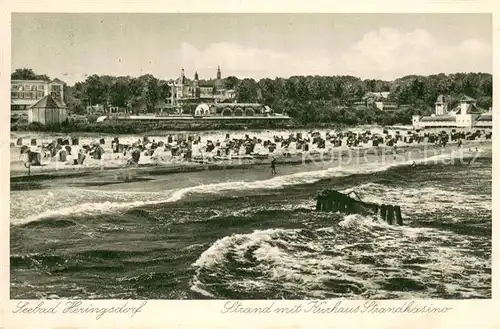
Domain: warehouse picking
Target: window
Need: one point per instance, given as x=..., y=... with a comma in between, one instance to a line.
x=27, y=87
x=40, y=87
x=13, y=94
x=39, y=94
x=55, y=87
x=33, y=88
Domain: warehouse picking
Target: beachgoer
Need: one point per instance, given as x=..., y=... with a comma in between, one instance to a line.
x=273, y=167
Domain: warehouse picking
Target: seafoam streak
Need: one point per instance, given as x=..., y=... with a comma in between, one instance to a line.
x=85, y=204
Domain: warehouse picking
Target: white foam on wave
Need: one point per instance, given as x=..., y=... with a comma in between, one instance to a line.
x=422, y=199
x=84, y=201
x=352, y=220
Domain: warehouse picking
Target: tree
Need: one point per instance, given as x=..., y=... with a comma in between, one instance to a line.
x=94, y=90
x=152, y=94
x=247, y=91
x=231, y=82
x=73, y=99
x=119, y=94
x=27, y=74
x=23, y=74
x=164, y=90
x=136, y=90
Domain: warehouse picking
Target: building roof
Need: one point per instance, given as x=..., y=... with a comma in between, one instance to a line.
x=207, y=83
x=238, y=105
x=485, y=117
x=15, y=101
x=377, y=95
x=471, y=109
x=438, y=118
x=56, y=80
x=182, y=80
x=441, y=99
x=28, y=81
x=48, y=102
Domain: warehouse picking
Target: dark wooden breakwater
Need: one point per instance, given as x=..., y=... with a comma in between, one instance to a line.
x=333, y=201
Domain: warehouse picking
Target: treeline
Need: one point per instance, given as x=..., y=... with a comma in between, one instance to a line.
x=307, y=99
x=337, y=99
x=145, y=92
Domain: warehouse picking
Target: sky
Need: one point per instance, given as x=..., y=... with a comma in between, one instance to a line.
x=376, y=46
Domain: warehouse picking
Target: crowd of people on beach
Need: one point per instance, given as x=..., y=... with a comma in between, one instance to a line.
x=188, y=147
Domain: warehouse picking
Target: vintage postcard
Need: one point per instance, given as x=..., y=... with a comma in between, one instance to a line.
x=266, y=167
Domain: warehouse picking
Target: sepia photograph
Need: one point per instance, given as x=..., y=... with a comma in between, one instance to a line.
x=262, y=156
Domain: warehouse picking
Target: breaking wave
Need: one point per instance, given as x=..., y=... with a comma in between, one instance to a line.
x=82, y=202
x=357, y=257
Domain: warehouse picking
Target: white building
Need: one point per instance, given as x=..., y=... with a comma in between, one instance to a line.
x=441, y=105
x=485, y=120
x=24, y=93
x=465, y=115
x=380, y=100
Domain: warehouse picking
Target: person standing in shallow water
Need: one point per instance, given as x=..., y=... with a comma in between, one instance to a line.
x=273, y=167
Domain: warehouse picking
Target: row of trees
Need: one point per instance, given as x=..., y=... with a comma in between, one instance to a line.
x=308, y=99
x=334, y=98
x=124, y=92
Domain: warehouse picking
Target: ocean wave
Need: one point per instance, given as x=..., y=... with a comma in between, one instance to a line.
x=358, y=258
x=421, y=200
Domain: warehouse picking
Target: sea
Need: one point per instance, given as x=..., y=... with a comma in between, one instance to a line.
x=246, y=234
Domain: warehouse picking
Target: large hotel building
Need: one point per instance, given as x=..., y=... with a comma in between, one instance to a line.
x=185, y=90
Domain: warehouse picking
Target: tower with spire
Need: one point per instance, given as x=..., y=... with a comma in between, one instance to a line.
x=185, y=90
x=183, y=77
x=196, y=85
x=218, y=83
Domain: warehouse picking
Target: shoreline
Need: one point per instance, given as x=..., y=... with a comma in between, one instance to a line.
x=20, y=176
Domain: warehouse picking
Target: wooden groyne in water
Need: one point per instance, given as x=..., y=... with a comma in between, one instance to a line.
x=333, y=201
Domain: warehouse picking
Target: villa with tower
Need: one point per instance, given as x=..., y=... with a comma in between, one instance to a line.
x=195, y=91
x=205, y=100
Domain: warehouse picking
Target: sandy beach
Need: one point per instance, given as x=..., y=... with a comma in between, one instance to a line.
x=163, y=162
